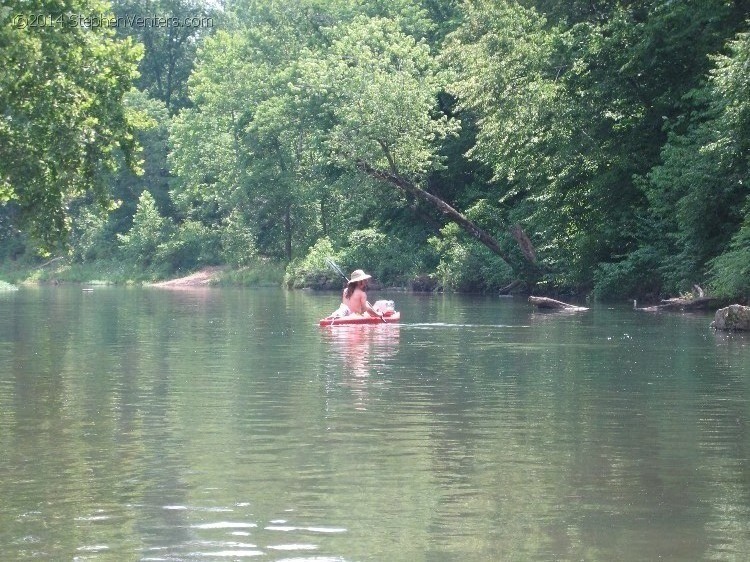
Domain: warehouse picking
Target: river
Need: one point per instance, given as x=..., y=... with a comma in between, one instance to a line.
x=224, y=424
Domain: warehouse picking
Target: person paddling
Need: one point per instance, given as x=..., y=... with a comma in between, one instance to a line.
x=354, y=297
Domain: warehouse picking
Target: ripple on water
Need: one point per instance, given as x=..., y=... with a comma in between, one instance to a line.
x=93, y=548
x=221, y=549
x=230, y=554
x=224, y=525
x=290, y=528
x=314, y=559
x=293, y=546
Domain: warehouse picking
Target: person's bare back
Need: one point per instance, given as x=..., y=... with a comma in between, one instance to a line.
x=354, y=298
x=357, y=303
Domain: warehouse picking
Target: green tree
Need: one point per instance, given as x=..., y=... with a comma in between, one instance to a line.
x=94, y=230
x=61, y=90
x=149, y=232
x=241, y=146
x=506, y=61
x=379, y=87
x=730, y=271
x=169, y=50
x=205, y=139
x=697, y=194
x=249, y=143
x=571, y=110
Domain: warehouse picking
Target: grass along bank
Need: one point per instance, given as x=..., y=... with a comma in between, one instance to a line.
x=7, y=287
x=62, y=270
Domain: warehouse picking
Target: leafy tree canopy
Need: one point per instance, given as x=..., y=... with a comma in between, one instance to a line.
x=61, y=90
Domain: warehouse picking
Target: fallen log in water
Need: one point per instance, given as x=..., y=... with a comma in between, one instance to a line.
x=551, y=304
x=682, y=304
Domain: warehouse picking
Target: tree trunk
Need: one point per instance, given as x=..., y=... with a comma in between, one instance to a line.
x=323, y=222
x=408, y=187
x=288, y=232
x=524, y=243
x=508, y=288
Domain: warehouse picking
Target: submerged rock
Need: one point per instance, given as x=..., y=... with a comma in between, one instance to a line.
x=733, y=317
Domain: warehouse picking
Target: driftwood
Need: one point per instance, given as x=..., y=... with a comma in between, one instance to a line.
x=552, y=304
x=682, y=304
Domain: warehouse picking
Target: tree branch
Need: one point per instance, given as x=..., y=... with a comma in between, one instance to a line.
x=388, y=156
x=407, y=186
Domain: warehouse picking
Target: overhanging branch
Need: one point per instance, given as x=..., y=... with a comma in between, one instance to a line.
x=405, y=185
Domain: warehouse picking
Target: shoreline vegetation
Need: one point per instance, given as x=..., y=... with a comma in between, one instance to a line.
x=732, y=317
x=62, y=271
x=571, y=150
x=117, y=273
x=264, y=273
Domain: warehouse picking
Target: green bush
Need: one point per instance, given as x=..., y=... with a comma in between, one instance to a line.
x=467, y=266
x=638, y=275
x=238, y=241
x=7, y=286
x=156, y=245
x=149, y=231
x=261, y=272
x=13, y=242
x=730, y=272
x=190, y=245
x=90, y=239
x=312, y=270
x=388, y=258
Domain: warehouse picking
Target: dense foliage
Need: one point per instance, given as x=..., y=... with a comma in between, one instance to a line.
x=558, y=146
x=62, y=118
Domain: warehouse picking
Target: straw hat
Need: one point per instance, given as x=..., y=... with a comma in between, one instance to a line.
x=358, y=275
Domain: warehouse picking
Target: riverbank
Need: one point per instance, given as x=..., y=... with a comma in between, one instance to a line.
x=202, y=278
x=60, y=271
x=263, y=273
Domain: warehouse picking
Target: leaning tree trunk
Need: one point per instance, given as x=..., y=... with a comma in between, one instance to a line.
x=524, y=243
x=405, y=185
x=288, y=232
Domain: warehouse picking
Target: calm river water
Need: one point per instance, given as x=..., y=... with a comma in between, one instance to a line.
x=223, y=424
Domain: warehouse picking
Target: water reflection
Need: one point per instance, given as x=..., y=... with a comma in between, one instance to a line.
x=360, y=351
x=213, y=424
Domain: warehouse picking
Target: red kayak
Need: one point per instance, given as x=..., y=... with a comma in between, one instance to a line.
x=389, y=317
